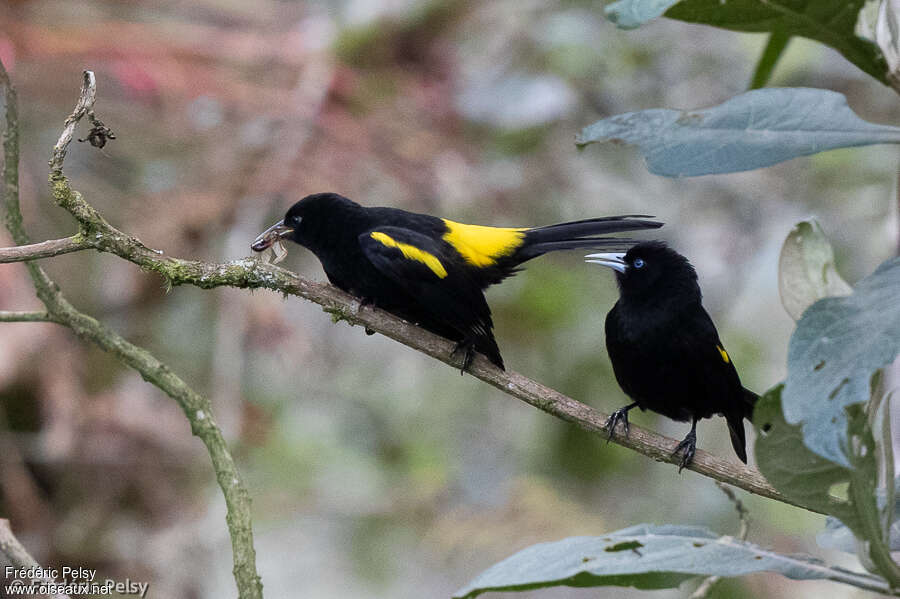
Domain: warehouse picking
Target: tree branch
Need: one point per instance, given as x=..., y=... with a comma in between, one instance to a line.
x=44, y=249
x=11, y=316
x=196, y=407
x=18, y=556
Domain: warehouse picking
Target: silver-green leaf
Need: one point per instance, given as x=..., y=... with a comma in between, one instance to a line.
x=648, y=557
x=752, y=130
x=838, y=345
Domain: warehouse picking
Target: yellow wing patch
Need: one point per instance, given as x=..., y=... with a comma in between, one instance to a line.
x=412, y=253
x=723, y=353
x=483, y=246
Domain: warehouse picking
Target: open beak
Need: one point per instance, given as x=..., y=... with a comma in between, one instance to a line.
x=270, y=236
x=613, y=261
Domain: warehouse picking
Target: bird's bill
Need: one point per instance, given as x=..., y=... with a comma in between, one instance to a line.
x=613, y=261
x=271, y=236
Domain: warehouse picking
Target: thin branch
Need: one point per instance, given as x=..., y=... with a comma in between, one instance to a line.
x=85, y=105
x=11, y=316
x=19, y=557
x=196, y=407
x=44, y=249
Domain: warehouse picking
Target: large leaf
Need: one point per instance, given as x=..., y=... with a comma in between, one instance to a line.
x=755, y=129
x=792, y=468
x=838, y=345
x=830, y=22
x=806, y=271
x=648, y=557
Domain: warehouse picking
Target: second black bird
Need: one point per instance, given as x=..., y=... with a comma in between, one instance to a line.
x=664, y=348
x=429, y=270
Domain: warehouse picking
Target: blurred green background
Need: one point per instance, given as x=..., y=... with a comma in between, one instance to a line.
x=376, y=471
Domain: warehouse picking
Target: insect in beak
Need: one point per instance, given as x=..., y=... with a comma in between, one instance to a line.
x=270, y=236
x=613, y=261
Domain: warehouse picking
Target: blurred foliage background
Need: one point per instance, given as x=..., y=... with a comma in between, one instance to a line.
x=375, y=471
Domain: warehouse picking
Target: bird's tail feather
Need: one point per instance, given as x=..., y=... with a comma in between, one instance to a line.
x=735, y=421
x=592, y=227
x=584, y=234
x=738, y=440
x=487, y=345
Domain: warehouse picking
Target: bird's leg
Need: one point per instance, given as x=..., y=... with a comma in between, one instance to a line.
x=468, y=346
x=688, y=447
x=620, y=415
x=363, y=302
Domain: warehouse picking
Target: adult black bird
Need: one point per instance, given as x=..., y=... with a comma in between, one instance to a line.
x=664, y=348
x=429, y=270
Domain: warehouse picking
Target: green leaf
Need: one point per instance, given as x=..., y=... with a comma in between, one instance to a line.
x=833, y=354
x=792, y=468
x=831, y=22
x=806, y=271
x=648, y=557
x=755, y=129
x=778, y=41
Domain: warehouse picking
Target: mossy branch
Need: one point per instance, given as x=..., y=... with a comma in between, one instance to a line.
x=196, y=407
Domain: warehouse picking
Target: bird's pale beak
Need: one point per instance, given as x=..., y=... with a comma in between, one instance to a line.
x=270, y=236
x=613, y=261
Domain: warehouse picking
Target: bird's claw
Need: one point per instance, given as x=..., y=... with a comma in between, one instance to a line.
x=469, y=355
x=687, y=447
x=620, y=415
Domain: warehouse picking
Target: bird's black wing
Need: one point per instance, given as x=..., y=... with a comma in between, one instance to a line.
x=713, y=366
x=436, y=281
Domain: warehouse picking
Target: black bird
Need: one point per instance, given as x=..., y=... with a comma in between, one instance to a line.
x=664, y=348
x=429, y=270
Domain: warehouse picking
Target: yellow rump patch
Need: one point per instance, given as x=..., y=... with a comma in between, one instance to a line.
x=412, y=252
x=723, y=353
x=483, y=246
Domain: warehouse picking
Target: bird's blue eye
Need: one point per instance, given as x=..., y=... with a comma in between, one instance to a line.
x=638, y=262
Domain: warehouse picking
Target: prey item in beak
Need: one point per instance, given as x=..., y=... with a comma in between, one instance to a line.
x=270, y=236
x=613, y=261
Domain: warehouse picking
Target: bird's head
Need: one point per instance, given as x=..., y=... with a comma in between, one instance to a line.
x=304, y=220
x=651, y=270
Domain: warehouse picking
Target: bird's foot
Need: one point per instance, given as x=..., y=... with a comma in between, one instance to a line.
x=620, y=415
x=687, y=447
x=469, y=348
x=364, y=302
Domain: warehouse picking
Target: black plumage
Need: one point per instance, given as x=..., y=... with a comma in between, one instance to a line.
x=429, y=270
x=664, y=348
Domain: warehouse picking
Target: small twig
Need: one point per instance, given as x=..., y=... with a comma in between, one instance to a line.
x=18, y=556
x=86, y=100
x=709, y=582
x=44, y=249
x=11, y=316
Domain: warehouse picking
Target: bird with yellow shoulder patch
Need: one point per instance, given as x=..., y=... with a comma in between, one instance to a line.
x=428, y=270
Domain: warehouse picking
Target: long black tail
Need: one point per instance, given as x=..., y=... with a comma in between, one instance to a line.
x=735, y=419
x=583, y=234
